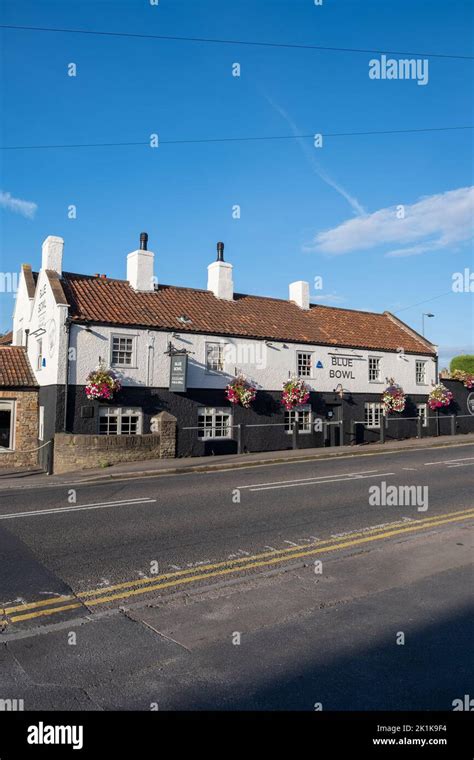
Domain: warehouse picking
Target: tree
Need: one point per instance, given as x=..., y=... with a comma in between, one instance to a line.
x=464, y=362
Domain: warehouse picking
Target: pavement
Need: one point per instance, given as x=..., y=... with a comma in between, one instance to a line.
x=32, y=478
x=277, y=587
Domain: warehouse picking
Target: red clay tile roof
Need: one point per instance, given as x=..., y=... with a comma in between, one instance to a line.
x=6, y=339
x=15, y=369
x=109, y=301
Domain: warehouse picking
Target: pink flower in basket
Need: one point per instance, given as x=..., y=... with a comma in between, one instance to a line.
x=102, y=383
x=240, y=391
x=439, y=397
x=295, y=393
x=393, y=397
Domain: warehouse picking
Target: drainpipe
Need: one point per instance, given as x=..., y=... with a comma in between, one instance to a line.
x=67, y=325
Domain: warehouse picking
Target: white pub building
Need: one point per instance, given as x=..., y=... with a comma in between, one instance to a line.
x=175, y=349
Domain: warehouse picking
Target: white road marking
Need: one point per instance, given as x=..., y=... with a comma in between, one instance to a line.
x=409, y=468
x=370, y=528
x=302, y=480
x=447, y=461
x=77, y=508
x=461, y=464
x=321, y=482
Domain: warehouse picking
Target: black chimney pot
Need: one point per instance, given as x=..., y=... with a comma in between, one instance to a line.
x=143, y=241
x=220, y=251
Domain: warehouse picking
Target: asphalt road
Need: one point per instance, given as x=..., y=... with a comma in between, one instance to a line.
x=72, y=555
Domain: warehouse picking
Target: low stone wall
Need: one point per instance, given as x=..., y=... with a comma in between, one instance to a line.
x=75, y=452
x=26, y=429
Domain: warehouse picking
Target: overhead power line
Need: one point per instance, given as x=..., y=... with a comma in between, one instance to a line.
x=255, y=43
x=233, y=139
x=441, y=295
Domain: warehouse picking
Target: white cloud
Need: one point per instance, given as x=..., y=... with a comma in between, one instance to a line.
x=310, y=157
x=17, y=205
x=434, y=222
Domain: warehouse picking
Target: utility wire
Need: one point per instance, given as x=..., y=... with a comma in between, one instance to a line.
x=405, y=308
x=233, y=139
x=233, y=42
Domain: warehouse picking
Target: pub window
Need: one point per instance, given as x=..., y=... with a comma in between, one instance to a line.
x=422, y=412
x=303, y=363
x=122, y=351
x=420, y=372
x=215, y=357
x=117, y=420
x=374, y=369
x=300, y=416
x=373, y=415
x=7, y=415
x=214, y=423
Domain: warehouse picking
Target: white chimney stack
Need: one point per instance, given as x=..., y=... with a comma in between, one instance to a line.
x=299, y=293
x=52, y=254
x=219, y=276
x=140, y=266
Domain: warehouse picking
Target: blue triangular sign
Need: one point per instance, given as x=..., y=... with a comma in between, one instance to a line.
x=319, y=365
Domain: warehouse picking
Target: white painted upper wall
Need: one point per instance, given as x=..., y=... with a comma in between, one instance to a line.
x=21, y=312
x=268, y=366
x=45, y=321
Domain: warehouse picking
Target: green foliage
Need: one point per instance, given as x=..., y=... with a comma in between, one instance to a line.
x=464, y=362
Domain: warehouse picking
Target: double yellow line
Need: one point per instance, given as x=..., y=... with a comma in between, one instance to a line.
x=179, y=578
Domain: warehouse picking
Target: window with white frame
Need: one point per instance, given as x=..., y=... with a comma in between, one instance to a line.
x=7, y=425
x=123, y=351
x=301, y=417
x=118, y=420
x=214, y=422
x=215, y=357
x=39, y=353
x=423, y=413
x=375, y=373
x=373, y=414
x=420, y=372
x=303, y=363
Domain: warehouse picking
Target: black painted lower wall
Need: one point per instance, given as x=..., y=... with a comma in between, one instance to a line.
x=266, y=412
x=52, y=398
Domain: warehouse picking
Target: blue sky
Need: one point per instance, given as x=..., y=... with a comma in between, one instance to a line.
x=305, y=212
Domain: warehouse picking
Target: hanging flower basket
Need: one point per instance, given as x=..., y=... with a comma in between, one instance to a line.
x=240, y=391
x=393, y=397
x=467, y=378
x=295, y=393
x=439, y=397
x=102, y=383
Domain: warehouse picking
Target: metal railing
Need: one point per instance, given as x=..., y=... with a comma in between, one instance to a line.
x=292, y=428
x=421, y=424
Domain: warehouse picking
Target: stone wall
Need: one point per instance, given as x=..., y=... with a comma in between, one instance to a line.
x=26, y=429
x=76, y=452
